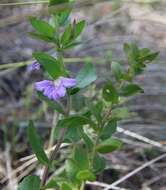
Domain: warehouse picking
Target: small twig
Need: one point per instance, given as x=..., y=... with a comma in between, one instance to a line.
x=100, y=184
x=141, y=138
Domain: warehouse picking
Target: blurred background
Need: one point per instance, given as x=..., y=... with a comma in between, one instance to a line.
x=110, y=23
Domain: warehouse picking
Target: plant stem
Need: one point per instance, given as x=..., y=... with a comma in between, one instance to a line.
x=82, y=186
x=24, y=63
x=54, y=123
x=60, y=141
x=100, y=125
x=52, y=157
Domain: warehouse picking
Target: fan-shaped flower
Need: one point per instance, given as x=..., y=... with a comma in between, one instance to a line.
x=55, y=90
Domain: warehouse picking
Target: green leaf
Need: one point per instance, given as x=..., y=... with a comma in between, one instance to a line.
x=109, y=129
x=66, y=37
x=51, y=184
x=78, y=101
x=108, y=146
x=110, y=94
x=71, y=45
x=56, y=2
x=85, y=175
x=51, y=65
x=63, y=17
x=73, y=125
x=71, y=169
x=35, y=142
x=99, y=163
x=131, y=89
x=120, y=113
x=89, y=143
x=42, y=27
x=81, y=158
x=149, y=57
x=78, y=28
x=41, y=37
x=75, y=120
x=117, y=70
x=86, y=76
x=72, y=134
x=96, y=110
x=30, y=183
x=54, y=105
x=65, y=186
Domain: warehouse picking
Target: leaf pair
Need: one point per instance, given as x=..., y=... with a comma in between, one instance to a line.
x=71, y=33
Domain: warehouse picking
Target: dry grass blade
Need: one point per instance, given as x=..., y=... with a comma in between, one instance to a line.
x=19, y=169
x=135, y=171
x=12, y=179
x=29, y=161
x=100, y=184
x=141, y=138
x=47, y=152
x=23, y=3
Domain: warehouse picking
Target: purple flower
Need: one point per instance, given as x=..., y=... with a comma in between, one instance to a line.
x=55, y=90
x=34, y=66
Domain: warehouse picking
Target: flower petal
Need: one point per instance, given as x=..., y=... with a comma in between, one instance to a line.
x=48, y=91
x=68, y=82
x=42, y=85
x=55, y=96
x=61, y=91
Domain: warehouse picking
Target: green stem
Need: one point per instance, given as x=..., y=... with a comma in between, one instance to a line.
x=24, y=63
x=54, y=123
x=100, y=126
x=82, y=186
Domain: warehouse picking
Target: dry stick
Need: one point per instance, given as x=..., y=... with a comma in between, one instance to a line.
x=135, y=171
x=23, y=3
